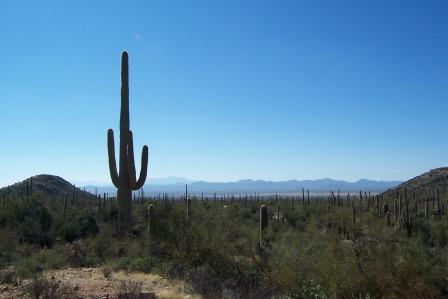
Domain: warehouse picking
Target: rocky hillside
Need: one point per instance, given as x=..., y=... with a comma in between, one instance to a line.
x=47, y=185
x=425, y=183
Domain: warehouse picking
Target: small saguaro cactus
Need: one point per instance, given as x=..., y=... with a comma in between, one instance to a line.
x=150, y=219
x=125, y=179
x=378, y=209
x=99, y=203
x=65, y=206
x=407, y=220
x=278, y=209
x=396, y=212
x=439, y=208
x=263, y=223
x=187, y=203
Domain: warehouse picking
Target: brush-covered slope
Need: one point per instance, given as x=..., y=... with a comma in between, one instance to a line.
x=431, y=180
x=45, y=184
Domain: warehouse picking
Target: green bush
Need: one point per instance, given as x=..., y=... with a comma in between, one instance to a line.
x=314, y=253
x=79, y=228
x=136, y=264
x=8, y=246
x=29, y=267
x=309, y=290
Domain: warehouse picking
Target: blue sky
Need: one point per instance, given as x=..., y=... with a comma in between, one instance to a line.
x=226, y=90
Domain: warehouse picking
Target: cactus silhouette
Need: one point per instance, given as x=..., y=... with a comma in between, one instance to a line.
x=125, y=180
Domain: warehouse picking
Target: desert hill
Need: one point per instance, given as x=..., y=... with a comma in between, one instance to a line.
x=435, y=179
x=45, y=184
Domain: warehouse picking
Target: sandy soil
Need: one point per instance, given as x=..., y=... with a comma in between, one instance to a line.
x=91, y=283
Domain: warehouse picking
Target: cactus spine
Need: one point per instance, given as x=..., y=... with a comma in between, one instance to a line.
x=125, y=180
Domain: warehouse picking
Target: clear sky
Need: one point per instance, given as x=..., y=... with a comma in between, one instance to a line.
x=226, y=90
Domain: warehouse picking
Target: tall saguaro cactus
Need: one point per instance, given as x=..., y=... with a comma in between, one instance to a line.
x=125, y=180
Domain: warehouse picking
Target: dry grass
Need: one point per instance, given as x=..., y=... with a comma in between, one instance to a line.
x=91, y=283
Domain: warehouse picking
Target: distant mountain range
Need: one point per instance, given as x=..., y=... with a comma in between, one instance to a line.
x=54, y=186
x=174, y=185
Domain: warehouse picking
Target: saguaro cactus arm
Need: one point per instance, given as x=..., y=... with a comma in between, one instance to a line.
x=143, y=170
x=135, y=185
x=112, y=161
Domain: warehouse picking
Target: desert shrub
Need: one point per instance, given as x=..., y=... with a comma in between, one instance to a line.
x=104, y=246
x=203, y=280
x=107, y=271
x=43, y=288
x=7, y=276
x=69, y=232
x=136, y=264
x=309, y=290
x=30, y=219
x=76, y=254
x=87, y=226
x=308, y=255
x=28, y=268
x=51, y=258
x=8, y=244
x=439, y=234
x=129, y=290
x=142, y=264
x=82, y=227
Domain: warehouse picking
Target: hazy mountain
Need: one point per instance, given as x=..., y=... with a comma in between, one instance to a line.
x=50, y=185
x=172, y=180
x=259, y=186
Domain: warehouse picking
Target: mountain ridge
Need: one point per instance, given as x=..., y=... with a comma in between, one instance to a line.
x=51, y=185
x=263, y=186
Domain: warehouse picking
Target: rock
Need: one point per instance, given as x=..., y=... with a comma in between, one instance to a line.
x=4, y=289
x=105, y=296
x=76, y=287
